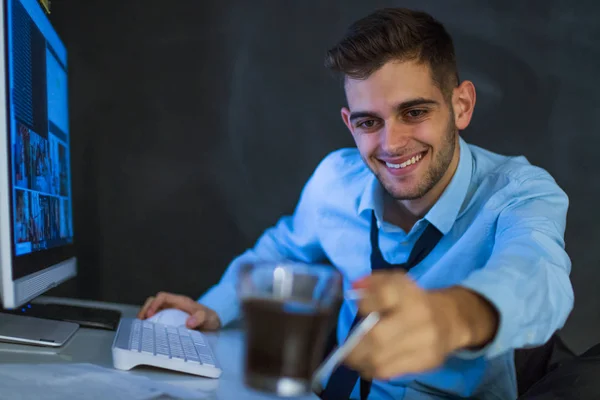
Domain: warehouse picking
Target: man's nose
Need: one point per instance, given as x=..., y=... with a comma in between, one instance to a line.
x=395, y=136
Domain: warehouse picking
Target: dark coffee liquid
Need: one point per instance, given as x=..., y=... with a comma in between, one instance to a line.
x=285, y=338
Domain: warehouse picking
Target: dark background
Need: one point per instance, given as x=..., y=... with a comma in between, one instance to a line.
x=195, y=124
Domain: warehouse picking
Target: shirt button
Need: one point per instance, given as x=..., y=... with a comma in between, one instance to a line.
x=530, y=336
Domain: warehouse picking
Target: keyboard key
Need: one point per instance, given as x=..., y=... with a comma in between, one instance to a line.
x=135, y=336
x=186, y=341
x=148, y=348
x=189, y=349
x=135, y=345
x=183, y=332
x=198, y=338
x=204, y=351
x=174, y=341
x=206, y=360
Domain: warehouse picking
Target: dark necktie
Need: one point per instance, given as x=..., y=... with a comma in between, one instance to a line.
x=343, y=379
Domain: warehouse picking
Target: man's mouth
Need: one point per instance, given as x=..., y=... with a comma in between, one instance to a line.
x=413, y=160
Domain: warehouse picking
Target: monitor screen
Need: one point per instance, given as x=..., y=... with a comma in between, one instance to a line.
x=39, y=149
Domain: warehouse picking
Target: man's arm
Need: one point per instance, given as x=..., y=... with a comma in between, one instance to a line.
x=526, y=279
x=293, y=237
x=519, y=298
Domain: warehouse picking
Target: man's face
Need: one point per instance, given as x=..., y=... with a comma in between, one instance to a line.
x=404, y=129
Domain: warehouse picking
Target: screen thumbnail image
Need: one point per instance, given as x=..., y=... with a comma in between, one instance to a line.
x=36, y=218
x=66, y=227
x=21, y=157
x=49, y=210
x=23, y=222
x=40, y=163
x=63, y=172
x=58, y=166
x=56, y=78
x=53, y=219
x=39, y=219
x=45, y=207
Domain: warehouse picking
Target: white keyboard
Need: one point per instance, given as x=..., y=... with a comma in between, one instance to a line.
x=140, y=342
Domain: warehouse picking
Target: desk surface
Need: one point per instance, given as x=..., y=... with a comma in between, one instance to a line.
x=94, y=346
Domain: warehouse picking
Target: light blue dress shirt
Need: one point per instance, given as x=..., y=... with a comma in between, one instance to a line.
x=503, y=222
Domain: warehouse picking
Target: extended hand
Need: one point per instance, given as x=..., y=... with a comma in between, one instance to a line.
x=201, y=317
x=418, y=329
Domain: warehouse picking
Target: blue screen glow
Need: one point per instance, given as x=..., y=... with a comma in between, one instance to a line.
x=38, y=110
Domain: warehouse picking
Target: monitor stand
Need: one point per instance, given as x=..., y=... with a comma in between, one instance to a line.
x=35, y=331
x=85, y=316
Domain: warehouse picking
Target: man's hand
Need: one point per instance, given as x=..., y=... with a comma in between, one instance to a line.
x=417, y=329
x=201, y=317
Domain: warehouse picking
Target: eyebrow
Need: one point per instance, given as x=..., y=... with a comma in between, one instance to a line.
x=399, y=107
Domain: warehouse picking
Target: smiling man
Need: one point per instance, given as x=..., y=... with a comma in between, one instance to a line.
x=459, y=249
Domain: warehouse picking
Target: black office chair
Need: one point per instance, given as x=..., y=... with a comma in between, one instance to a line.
x=573, y=378
x=532, y=365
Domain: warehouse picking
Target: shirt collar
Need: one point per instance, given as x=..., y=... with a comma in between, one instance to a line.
x=444, y=212
x=372, y=197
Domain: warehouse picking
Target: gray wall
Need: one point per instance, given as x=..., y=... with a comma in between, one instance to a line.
x=185, y=112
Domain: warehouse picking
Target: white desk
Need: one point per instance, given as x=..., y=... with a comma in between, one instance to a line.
x=94, y=346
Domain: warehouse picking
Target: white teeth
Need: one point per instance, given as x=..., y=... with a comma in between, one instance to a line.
x=406, y=163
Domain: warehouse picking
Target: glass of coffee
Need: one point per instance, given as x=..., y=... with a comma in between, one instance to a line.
x=289, y=310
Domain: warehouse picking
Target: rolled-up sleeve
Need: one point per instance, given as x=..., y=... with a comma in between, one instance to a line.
x=527, y=275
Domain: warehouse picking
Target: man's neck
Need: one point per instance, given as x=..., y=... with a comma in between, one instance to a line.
x=405, y=213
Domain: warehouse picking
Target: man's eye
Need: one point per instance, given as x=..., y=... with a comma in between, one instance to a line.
x=416, y=113
x=367, y=124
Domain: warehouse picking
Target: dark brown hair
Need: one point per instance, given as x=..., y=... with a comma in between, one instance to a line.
x=396, y=34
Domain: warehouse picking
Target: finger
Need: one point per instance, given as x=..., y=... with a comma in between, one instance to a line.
x=212, y=321
x=144, y=309
x=356, y=359
x=377, y=343
x=415, y=351
x=384, y=292
x=413, y=361
x=162, y=300
x=186, y=304
x=196, y=319
x=205, y=319
x=360, y=341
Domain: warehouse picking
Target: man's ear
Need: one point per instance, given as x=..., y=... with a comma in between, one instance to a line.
x=463, y=102
x=346, y=118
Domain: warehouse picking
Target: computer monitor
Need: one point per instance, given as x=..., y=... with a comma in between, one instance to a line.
x=36, y=224
x=36, y=218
